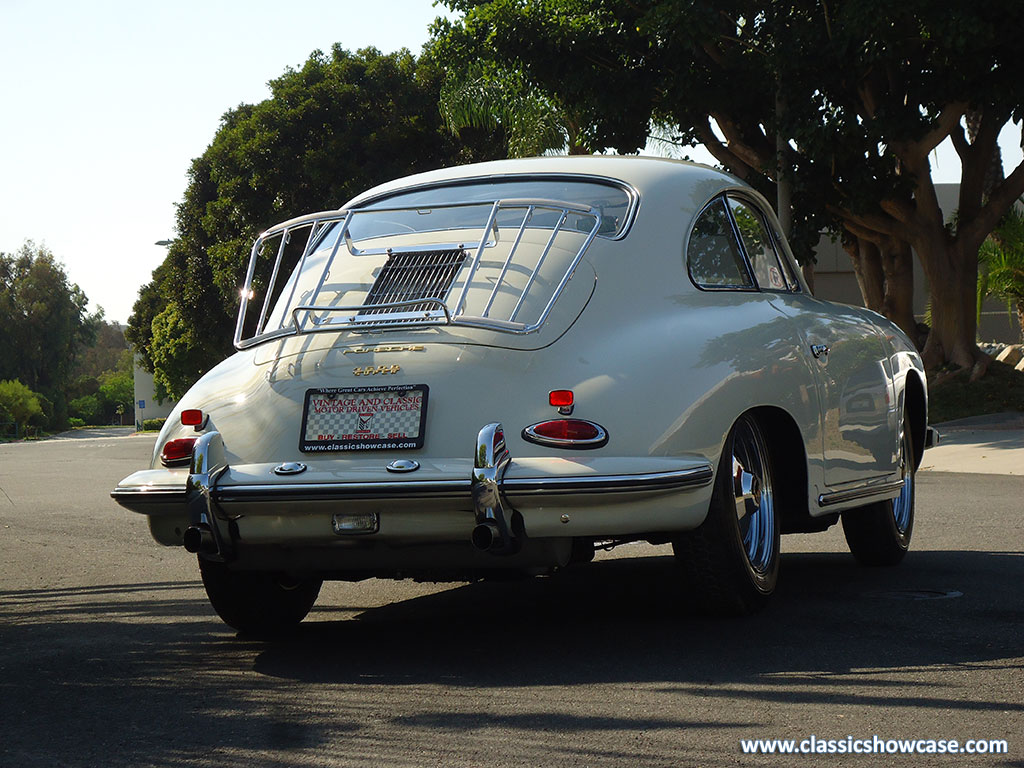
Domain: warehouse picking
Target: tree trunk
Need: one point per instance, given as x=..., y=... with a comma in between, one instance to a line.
x=953, y=279
x=898, y=302
x=885, y=274
x=867, y=266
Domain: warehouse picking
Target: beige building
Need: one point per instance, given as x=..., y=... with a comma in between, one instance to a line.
x=146, y=405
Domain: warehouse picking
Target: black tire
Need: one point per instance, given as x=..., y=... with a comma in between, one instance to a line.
x=879, y=534
x=730, y=564
x=258, y=603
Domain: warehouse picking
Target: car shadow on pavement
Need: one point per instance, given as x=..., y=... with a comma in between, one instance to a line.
x=622, y=620
x=181, y=686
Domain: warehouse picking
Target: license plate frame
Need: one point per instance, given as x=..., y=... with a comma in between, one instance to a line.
x=373, y=418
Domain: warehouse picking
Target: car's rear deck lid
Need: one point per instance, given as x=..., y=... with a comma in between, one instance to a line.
x=498, y=265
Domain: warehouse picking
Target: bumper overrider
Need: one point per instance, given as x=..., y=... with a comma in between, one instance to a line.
x=214, y=508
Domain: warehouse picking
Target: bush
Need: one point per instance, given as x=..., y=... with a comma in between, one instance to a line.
x=19, y=402
x=75, y=423
x=86, y=409
x=153, y=425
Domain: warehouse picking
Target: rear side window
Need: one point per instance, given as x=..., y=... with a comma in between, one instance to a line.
x=713, y=255
x=759, y=247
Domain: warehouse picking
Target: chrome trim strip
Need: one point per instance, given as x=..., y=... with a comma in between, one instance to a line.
x=149, y=493
x=455, y=489
x=881, y=490
x=676, y=480
x=631, y=191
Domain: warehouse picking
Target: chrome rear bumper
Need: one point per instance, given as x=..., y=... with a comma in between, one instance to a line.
x=212, y=506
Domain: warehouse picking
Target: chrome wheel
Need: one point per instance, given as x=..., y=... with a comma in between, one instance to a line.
x=730, y=564
x=879, y=533
x=903, y=505
x=755, y=499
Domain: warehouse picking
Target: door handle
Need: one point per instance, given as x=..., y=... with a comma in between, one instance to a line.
x=819, y=351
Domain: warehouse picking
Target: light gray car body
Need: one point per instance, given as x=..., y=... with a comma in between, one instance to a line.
x=663, y=365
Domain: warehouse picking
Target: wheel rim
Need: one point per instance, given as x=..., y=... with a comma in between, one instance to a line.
x=755, y=497
x=903, y=506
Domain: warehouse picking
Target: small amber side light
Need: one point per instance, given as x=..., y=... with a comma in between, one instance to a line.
x=192, y=417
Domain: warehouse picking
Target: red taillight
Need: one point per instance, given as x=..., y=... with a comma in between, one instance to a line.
x=192, y=417
x=560, y=398
x=567, y=433
x=177, y=452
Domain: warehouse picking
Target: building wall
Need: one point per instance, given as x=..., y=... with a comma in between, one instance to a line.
x=146, y=405
x=835, y=280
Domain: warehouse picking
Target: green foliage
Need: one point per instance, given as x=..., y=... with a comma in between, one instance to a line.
x=533, y=122
x=576, y=67
x=44, y=325
x=87, y=408
x=153, y=425
x=625, y=72
x=18, y=403
x=103, y=385
x=174, y=342
x=106, y=352
x=75, y=423
x=844, y=99
x=1001, y=265
x=341, y=123
x=117, y=389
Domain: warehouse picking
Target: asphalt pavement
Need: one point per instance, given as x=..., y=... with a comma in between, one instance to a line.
x=111, y=655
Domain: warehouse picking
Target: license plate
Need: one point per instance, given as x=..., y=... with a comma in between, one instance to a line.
x=364, y=418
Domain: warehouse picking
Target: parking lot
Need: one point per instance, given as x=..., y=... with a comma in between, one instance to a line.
x=110, y=654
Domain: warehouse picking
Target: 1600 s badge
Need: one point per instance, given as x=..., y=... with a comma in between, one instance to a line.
x=364, y=418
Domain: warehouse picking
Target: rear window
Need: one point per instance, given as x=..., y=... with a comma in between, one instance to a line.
x=613, y=202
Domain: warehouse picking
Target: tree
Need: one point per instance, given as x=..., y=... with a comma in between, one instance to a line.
x=622, y=68
x=845, y=100
x=340, y=124
x=500, y=101
x=44, y=324
x=1002, y=265
x=18, y=402
x=106, y=352
x=87, y=408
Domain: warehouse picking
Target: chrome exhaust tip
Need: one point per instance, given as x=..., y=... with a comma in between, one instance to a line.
x=198, y=539
x=487, y=536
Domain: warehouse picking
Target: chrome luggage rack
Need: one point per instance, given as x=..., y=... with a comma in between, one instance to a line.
x=412, y=286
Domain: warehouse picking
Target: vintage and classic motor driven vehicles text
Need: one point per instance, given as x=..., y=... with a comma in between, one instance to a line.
x=494, y=368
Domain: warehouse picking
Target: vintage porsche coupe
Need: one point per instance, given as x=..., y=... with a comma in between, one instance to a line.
x=496, y=368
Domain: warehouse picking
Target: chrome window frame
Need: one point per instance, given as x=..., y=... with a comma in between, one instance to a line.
x=632, y=193
x=772, y=237
x=782, y=254
x=752, y=287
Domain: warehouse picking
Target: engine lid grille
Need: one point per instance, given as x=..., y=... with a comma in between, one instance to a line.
x=414, y=275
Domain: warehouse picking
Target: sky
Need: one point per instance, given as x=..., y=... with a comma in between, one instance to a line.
x=106, y=103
